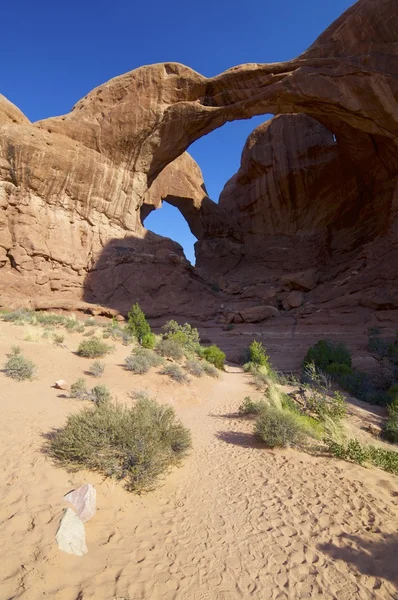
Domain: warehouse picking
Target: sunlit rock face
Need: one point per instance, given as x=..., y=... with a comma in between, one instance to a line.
x=316, y=192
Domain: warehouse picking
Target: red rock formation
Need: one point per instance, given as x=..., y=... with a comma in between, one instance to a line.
x=73, y=188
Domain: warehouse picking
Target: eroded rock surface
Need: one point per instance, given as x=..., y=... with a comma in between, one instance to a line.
x=316, y=191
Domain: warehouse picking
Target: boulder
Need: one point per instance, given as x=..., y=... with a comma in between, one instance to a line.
x=304, y=281
x=256, y=314
x=71, y=535
x=293, y=300
x=84, y=501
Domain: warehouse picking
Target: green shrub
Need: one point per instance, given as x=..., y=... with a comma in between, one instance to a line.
x=354, y=451
x=258, y=354
x=171, y=348
x=97, y=369
x=391, y=425
x=278, y=428
x=93, y=348
x=185, y=335
x=214, y=355
x=210, y=370
x=175, y=373
x=194, y=367
x=136, y=445
x=137, y=324
x=326, y=353
x=378, y=346
x=148, y=341
x=18, y=367
x=326, y=358
x=251, y=407
x=79, y=390
x=100, y=394
x=393, y=393
x=332, y=406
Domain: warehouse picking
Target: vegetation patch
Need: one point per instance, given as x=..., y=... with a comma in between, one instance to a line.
x=18, y=367
x=137, y=445
x=93, y=348
x=175, y=372
x=97, y=369
x=137, y=325
x=278, y=428
x=334, y=360
x=215, y=356
x=195, y=368
x=354, y=451
x=251, y=407
x=141, y=360
x=185, y=335
x=210, y=370
x=171, y=348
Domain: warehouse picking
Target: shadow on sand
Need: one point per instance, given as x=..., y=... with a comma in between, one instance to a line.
x=377, y=559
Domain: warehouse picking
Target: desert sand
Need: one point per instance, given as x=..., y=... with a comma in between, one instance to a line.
x=235, y=521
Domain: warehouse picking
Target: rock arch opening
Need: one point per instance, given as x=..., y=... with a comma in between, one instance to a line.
x=169, y=222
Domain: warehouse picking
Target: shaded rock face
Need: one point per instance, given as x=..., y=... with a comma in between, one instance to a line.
x=316, y=190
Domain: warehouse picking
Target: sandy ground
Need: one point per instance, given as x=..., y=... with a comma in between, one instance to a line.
x=236, y=521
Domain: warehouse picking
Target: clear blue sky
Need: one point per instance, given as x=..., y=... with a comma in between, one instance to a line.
x=56, y=52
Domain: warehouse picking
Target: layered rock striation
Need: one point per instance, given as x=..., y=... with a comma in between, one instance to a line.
x=315, y=197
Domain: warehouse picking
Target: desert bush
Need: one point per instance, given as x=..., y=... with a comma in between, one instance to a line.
x=175, y=373
x=93, y=348
x=333, y=406
x=100, y=394
x=214, y=355
x=210, y=370
x=79, y=390
x=97, y=369
x=58, y=339
x=148, y=341
x=258, y=355
x=138, y=364
x=171, y=348
x=334, y=360
x=354, y=451
x=260, y=380
x=251, y=407
x=185, y=335
x=141, y=360
x=17, y=316
x=18, y=367
x=90, y=322
x=390, y=429
x=117, y=333
x=194, y=367
x=137, y=324
x=325, y=353
x=136, y=445
x=393, y=393
x=378, y=346
x=278, y=428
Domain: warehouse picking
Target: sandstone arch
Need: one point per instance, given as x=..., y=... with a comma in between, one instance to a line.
x=70, y=184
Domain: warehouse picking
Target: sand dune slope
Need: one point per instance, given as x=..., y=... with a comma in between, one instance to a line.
x=235, y=522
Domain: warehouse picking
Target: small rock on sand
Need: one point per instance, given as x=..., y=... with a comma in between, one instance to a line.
x=71, y=535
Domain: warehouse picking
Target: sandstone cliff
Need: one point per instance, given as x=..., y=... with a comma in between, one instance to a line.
x=316, y=192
